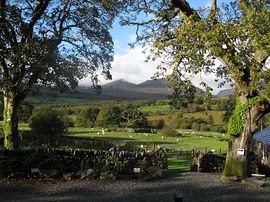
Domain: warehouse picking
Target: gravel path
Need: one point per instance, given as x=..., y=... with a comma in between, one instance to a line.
x=195, y=187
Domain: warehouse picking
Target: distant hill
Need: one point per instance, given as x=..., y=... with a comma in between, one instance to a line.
x=119, y=84
x=150, y=89
x=225, y=93
x=157, y=83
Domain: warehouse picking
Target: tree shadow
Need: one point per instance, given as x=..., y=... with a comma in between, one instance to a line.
x=194, y=186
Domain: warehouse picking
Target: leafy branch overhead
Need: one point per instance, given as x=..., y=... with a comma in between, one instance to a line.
x=191, y=41
x=231, y=41
x=53, y=43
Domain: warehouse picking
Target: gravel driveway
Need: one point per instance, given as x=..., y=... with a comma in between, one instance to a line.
x=195, y=187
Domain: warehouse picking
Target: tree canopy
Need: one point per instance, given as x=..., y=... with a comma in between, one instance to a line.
x=191, y=41
x=53, y=43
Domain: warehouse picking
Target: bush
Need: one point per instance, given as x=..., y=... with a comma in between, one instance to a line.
x=25, y=111
x=87, y=117
x=169, y=131
x=109, y=116
x=157, y=124
x=46, y=125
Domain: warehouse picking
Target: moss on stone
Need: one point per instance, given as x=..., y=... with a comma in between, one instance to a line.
x=234, y=167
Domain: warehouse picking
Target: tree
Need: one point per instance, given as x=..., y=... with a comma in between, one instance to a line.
x=132, y=117
x=51, y=43
x=46, y=124
x=88, y=116
x=25, y=111
x=191, y=41
x=109, y=116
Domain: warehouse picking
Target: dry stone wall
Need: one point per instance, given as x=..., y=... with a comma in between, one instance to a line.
x=81, y=164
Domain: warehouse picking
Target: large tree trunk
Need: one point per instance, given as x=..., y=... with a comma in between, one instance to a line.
x=237, y=163
x=10, y=125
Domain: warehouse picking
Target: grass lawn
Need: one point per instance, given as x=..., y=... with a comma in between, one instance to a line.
x=178, y=162
x=189, y=141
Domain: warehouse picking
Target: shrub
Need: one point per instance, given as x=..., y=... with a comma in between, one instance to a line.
x=25, y=111
x=109, y=116
x=87, y=117
x=46, y=124
x=157, y=124
x=169, y=131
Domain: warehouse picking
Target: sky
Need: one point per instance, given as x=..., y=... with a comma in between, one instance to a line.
x=129, y=63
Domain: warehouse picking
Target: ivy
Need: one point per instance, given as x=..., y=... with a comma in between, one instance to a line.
x=239, y=116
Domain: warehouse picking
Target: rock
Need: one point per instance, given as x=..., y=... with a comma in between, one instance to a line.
x=255, y=182
x=107, y=175
x=18, y=175
x=89, y=173
x=70, y=176
x=156, y=172
x=50, y=173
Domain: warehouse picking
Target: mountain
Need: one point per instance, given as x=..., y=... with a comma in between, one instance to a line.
x=119, y=84
x=157, y=83
x=150, y=89
x=225, y=93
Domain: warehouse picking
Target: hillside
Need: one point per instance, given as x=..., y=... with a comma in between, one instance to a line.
x=225, y=93
x=119, y=84
x=115, y=90
x=150, y=89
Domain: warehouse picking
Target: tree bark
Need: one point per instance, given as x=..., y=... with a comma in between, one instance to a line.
x=237, y=164
x=10, y=124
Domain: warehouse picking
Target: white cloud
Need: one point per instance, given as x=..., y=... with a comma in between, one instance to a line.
x=130, y=65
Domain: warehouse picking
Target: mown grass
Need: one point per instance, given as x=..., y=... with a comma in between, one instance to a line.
x=178, y=162
x=187, y=142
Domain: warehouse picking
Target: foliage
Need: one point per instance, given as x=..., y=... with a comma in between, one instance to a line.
x=133, y=118
x=25, y=111
x=87, y=117
x=169, y=129
x=190, y=42
x=57, y=43
x=109, y=116
x=178, y=102
x=238, y=118
x=46, y=124
x=1, y=108
x=53, y=44
x=157, y=124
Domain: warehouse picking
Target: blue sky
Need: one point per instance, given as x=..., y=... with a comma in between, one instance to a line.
x=129, y=63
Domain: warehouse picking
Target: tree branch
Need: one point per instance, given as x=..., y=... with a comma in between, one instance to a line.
x=185, y=8
x=213, y=11
x=5, y=69
x=37, y=13
x=243, y=5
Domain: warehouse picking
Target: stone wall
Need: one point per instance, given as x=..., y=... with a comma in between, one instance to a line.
x=80, y=164
x=207, y=162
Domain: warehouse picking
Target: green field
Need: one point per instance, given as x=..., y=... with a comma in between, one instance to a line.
x=160, y=109
x=189, y=141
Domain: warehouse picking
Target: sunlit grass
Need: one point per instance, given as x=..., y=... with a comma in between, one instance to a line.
x=156, y=109
x=188, y=142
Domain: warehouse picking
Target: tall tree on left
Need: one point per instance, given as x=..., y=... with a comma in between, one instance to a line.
x=53, y=43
